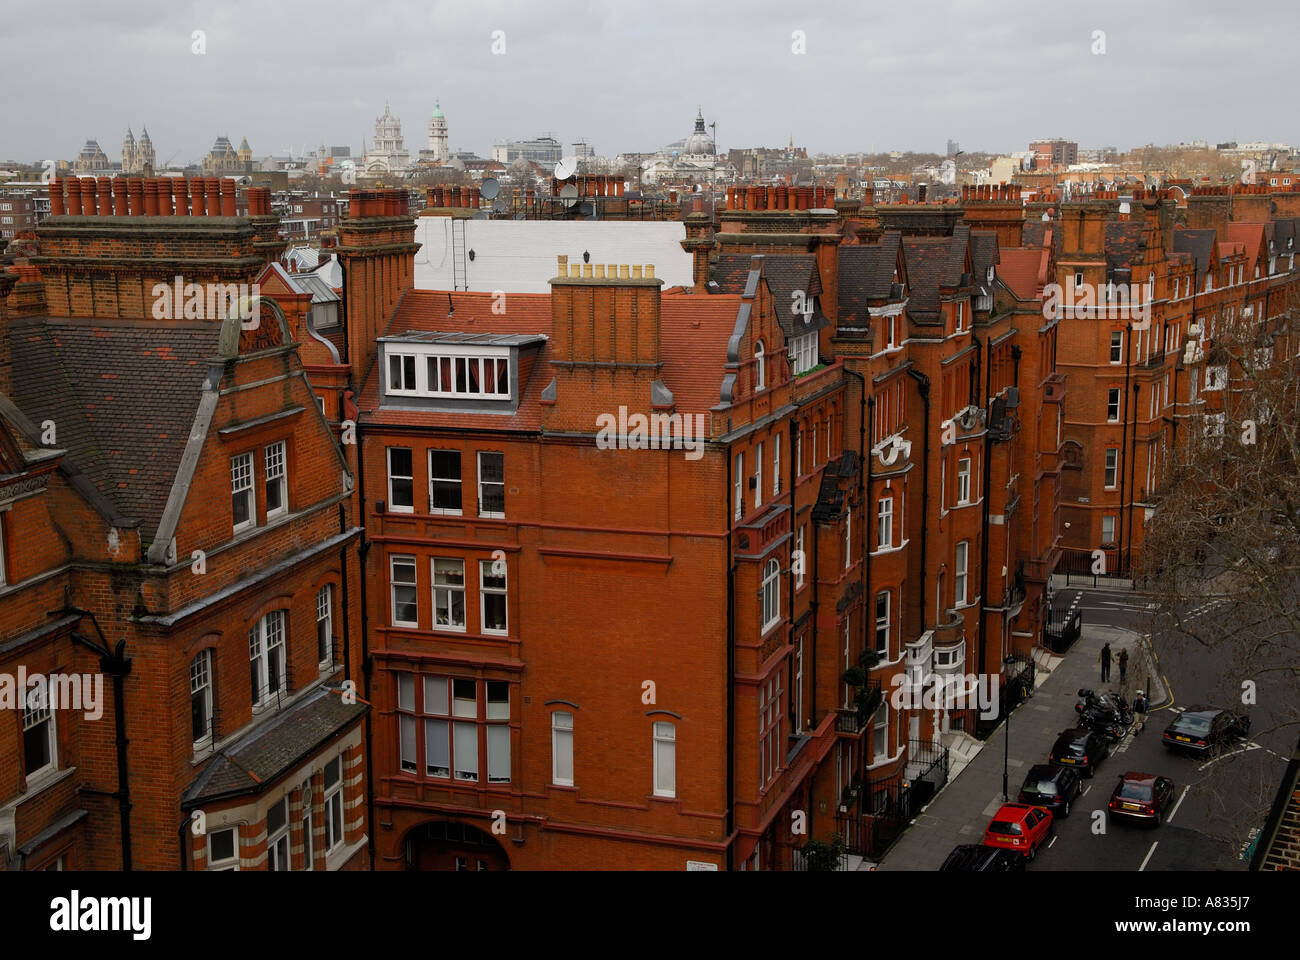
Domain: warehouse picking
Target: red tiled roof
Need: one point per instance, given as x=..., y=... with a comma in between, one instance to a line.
x=1249, y=235
x=694, y=330
x=1020, y=269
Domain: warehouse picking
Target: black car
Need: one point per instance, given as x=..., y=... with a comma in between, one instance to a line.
x=1052, y=787
x=977, y=858
x=1079, y=748
x=1205, y=729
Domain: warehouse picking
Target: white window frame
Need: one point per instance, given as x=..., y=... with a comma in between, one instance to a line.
x=201, y=685
x=493, y=514
x=562, y=747
x=1112, y=404
x=241, y=482
x=963, y=481
x=325, y=622
x=279, y=836
x=1116, y=354
x=486, y=571
x=459, y=481
x=880, y=733
x=447, y=590
x=225, y=863
x=407, y=744
x=413, y=585
x=883, y=624
x=333, y=804
x=771, y=595
x=961, y=568
x=276, y=468
x=1110, y=475
x=665, y=758
x=392, y=375
x=267, y=649
x=1105, y=537
x=738, y=485
x=758, y=475
x=885, y=522
x=776, y=466
x=408, y=477
x=848, y=539
x=760, y=374
x=37, y=711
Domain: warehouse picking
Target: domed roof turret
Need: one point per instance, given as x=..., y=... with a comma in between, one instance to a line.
x=699, y=142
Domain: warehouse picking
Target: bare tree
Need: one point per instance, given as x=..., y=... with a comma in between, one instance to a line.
x=1222, y=550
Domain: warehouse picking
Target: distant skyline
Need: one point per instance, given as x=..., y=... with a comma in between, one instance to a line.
x=991, y=75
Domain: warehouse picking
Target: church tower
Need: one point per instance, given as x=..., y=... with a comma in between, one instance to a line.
x=438, y=135
x=128, y=152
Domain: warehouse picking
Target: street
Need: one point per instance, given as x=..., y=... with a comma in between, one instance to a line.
x=1205, y=818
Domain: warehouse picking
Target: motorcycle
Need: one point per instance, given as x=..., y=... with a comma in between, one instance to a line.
x=1108, y=714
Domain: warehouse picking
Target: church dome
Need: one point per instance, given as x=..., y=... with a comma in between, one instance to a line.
x=699, y=142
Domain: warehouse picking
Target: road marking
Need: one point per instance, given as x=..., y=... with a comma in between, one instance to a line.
x=1147, y=858
x=1050, y=842
x=1223, y=756
x=1085, y=792
x=1170, y=818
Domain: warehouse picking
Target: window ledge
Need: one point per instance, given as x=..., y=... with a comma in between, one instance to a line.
x=41, y=782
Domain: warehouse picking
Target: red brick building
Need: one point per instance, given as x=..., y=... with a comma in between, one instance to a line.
x=204, y=556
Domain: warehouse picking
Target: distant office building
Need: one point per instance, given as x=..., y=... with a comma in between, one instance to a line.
x=1054, y=153
x=543, y=150
x=954, y=148
x=582, y=150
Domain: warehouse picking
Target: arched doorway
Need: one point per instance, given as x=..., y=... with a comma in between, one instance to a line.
x=449, y=845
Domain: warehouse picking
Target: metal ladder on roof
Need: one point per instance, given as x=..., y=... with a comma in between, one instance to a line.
x=458, y=265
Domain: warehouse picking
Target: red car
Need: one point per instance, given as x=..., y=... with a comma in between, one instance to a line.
x=1020, y=828
x=1141, y=796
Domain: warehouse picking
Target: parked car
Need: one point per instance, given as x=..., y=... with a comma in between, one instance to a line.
x=1051, y=787
x=1079, y=748
x=1141, y=796
x=1020, y=828
x=977, y=858
x=1205, y=729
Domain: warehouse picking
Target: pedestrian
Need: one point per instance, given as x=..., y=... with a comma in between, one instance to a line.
x=1123, y=664
x=1139, y=712
x=1104, y=658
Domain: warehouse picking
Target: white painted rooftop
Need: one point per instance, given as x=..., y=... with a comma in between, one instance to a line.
x=518, y=256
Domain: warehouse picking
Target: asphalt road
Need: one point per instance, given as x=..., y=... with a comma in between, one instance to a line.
x=1201, y=830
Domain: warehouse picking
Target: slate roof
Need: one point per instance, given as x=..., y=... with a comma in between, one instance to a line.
x=1123, y=244
x=273, y=747
x=785, y=273
x=1284, y=231
x=934, y=263
x=1198, y=243
x=983, y=254
x=866, y=274
x=98, y=380
x=1035, y=230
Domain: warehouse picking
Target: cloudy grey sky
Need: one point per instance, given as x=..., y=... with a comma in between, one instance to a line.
x=629, y=75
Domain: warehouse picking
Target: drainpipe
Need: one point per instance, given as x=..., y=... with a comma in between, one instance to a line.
x=865, y=535
x=1137, y=388
x=987, y=471
x=366, y=665
x=729, y=825
x=1123, y=443
x=116, y=664
x=923, y=388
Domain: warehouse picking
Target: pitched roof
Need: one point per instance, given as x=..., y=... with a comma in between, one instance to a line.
x=1253, y=237
x=694, y=330
x=1123, y=244
x=97, y=380
x=983, y=254
x=273, y=748
x=785, y=274
x=934, y=263
x=1020, y=270
x=866, y=274
x=1200, y=244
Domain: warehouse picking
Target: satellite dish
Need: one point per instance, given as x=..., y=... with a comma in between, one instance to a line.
x=585, y=209
x=566, y=168
x=481, y=215
x=569, y=195
x=489, y=189
x=500, y=205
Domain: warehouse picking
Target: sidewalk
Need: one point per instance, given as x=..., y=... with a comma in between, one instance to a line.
x=959, y=812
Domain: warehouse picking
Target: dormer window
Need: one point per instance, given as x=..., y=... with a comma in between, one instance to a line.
x=481, y=368
x=988, y=275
